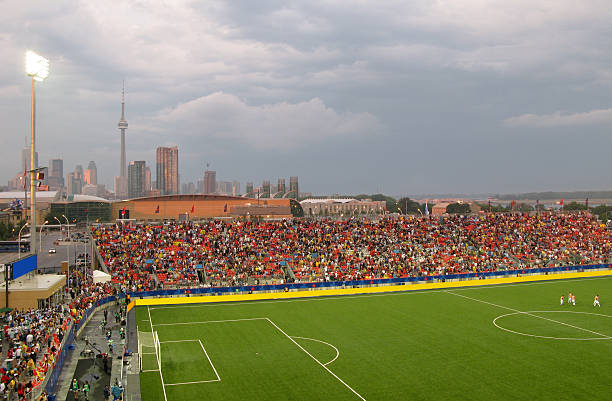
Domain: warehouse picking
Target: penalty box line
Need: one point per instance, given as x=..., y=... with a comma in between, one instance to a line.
x=277, y=328
x=527, y=313
x=218, y=379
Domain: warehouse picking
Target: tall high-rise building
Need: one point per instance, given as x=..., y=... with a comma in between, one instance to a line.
x=56, y=174
x=147, y=184
x=200, y=186
x=235, y=188
x=74, y=183
x=167, y=171
x=293, y=187
x=25, y=159
x=121, y=182
x=90, y=176
x=249, y=190
x=210, y=182
x=136, y=179
x=281, y=186
x=265, y=192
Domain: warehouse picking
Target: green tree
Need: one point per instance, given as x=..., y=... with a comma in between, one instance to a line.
x=459, y=208
x=575, y=206
x=524, y=207
x=391, y=203
x=296, y=208
x=408, y=206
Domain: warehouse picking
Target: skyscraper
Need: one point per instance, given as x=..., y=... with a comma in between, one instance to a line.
x=210, y=182
x=293, y=187
x=249, y=190
x=265, y=193
x=121, y=182
x=90, y=176
x=25, y=159
x=281, y=186
x=167, y=171
x=147, y=184
x=136, y=179
x=56, y=174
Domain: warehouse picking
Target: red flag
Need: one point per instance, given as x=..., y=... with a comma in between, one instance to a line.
x=586, y=203
x=561, y=203
x=512, y=205
x=192, y=208
x=157, y=209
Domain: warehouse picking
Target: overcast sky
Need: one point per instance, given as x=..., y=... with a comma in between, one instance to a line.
x=400, y=97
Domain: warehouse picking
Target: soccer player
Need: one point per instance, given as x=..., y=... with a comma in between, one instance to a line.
x=596, y=301
x=561, y=300
x=573, y=300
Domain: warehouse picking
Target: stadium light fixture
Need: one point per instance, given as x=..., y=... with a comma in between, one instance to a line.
x=37, y=67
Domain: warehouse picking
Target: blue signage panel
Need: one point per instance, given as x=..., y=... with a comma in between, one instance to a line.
x=24, y=266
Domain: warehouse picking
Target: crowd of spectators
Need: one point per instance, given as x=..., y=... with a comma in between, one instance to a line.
x=144, y=256
x=31, y=339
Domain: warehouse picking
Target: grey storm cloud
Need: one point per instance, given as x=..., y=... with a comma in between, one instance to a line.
x=386, y=95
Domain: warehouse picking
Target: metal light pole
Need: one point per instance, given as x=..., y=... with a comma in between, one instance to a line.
x=60, y=223
x=67, y=225
x=19, y=239
x=37, y=67
x=40, y=234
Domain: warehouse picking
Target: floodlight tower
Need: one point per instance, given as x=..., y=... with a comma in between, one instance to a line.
x=37, y=67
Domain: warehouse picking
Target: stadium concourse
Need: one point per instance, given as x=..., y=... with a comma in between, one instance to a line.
x=145, y=257
x=31, y=339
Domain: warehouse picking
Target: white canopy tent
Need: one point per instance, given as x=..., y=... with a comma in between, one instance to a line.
x=101, y=277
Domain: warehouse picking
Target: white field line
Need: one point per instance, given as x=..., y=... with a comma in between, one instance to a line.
x=550, y=337
x=198, y=382
x=528, y=283
x=386, y=294
x=218, y=379
x=322, y=342
x=178, y=341
x=150, y=370
x=315, y=359
x=161, y=376
x=208, y=357
x=527, y=313
x=209, y=321
x=148, y=353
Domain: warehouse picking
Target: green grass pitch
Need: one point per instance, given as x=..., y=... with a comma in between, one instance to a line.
x=509, y=342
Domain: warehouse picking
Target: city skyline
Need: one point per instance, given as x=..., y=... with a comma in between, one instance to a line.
x=418, y=97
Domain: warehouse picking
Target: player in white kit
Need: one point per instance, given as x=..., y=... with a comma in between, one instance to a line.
x=596, y=301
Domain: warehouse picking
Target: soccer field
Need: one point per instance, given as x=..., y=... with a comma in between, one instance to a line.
x=506, y=342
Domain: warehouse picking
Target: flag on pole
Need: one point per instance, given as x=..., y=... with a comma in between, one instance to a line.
x=192, y=208
x=561, y=203
x=586, y=203
x=157, y=209
x=513, y=203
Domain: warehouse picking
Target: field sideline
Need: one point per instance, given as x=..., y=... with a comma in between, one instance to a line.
x=480, y=342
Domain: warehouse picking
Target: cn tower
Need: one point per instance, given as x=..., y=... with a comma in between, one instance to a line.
x=123, y=124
